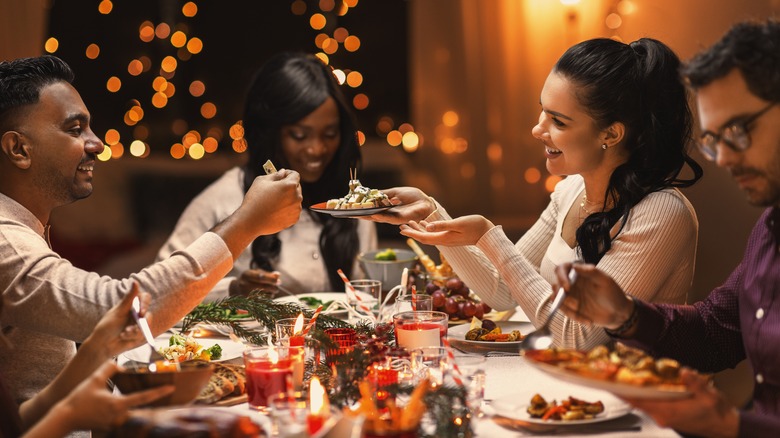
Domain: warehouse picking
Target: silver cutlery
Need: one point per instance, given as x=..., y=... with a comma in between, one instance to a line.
x=541, y=338
x=143, y=324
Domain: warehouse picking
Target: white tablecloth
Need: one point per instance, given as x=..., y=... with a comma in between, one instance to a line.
x=510, y=378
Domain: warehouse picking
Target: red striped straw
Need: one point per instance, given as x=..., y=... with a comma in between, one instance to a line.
x=414, y=297
x=354, y=292
x=312, y=321
x=457, y=375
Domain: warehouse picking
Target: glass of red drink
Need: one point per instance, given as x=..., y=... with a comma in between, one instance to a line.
x=268, y=370
x=418, y=329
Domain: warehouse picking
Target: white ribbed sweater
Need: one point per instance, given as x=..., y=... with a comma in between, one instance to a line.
x=652, y=259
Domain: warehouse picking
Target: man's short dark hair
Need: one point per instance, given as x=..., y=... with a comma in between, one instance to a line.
x=21, y=81
x=753, y=48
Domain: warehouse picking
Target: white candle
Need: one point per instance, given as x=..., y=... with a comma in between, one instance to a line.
x=418, y=336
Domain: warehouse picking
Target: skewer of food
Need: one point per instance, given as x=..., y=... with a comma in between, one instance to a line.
x=359, y=196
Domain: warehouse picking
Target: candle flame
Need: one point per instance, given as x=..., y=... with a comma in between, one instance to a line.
x=298, y=325
x=318, y=399
x=273, y=355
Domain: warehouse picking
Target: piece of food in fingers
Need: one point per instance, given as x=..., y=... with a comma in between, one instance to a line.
x=269, y=167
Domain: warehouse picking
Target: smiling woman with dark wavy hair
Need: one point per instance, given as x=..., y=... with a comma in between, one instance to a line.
x=296, y=116
x=614, y=122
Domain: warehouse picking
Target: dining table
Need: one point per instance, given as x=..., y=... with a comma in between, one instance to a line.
x=509, y=378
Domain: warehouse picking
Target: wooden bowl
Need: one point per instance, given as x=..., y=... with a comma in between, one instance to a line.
x=188, y=382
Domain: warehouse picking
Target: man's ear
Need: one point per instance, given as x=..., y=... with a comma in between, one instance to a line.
x=15, y=148
x=614, y=134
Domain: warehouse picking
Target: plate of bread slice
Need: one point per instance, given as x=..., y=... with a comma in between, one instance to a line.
x=226, y=387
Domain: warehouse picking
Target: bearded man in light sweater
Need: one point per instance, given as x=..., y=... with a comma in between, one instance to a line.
x=47, y=158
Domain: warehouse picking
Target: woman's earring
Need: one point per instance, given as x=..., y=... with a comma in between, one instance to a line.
x=604, y=146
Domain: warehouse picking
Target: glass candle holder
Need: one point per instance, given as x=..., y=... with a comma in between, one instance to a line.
x=345, y=338
x=286, y=334
x=420, y=329
x=268, y=370
x=381, y=377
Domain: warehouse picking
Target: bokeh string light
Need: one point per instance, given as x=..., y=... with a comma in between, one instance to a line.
x=163, y=86
x=160, y=66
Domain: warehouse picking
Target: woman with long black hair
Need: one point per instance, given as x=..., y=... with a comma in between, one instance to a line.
x=615, y=122
x=296, y=116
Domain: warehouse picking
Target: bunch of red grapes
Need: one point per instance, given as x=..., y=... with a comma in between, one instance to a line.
x=454, y=298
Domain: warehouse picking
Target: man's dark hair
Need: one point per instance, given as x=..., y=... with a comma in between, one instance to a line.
x=753, y=48
x=21, y=81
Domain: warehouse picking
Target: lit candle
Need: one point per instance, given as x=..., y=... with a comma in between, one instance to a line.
x=297, y=359
x=420, y=329
x=266, y=374
x=319, y=406
x=296, y=339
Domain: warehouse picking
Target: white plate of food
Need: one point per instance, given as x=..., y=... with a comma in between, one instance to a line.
x=457, y=337
x=230, y=349
x=314, y=299
x=575, y=406
x=570, y=366
x=349, y=212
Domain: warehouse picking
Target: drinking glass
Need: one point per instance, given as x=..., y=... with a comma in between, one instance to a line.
x=433, y=363
x=409, y=303
x=289, y=413
x=472, y=372
x=370, y=293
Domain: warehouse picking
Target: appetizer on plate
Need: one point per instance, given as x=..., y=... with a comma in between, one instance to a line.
x=488, y=331
x=621, y=365
x=571, y=409
x=181, y=348
x=359, y=196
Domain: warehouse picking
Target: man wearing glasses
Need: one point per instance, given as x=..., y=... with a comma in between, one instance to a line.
x=737, y=85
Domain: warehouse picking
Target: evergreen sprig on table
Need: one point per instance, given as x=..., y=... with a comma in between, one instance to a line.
x=260, y=308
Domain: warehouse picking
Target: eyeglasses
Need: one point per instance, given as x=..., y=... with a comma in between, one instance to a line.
x=735, y=135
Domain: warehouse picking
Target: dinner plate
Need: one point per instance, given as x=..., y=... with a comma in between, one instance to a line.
x=226, y=330
x=349, y=212
x=325, y=297
x=457, y=337
x=230, y=349
x=620, y=389
x=514, y=406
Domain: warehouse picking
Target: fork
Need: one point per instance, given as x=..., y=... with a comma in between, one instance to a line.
x=143, y=324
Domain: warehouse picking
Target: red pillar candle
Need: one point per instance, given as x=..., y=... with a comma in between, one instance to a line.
x=267, y=371
x=319, y=406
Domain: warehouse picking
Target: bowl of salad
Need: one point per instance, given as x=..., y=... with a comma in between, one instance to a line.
x=387, y=265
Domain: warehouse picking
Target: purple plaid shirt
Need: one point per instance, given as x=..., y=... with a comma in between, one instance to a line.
x=738, y=320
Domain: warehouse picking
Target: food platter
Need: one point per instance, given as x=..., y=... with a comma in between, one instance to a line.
x=658, y=392
x=230, y=349
x=349, y=212
x=324, y=297
x=457, y=337
x=514, y=406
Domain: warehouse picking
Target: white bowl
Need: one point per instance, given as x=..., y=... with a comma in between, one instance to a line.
x=387, y=271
